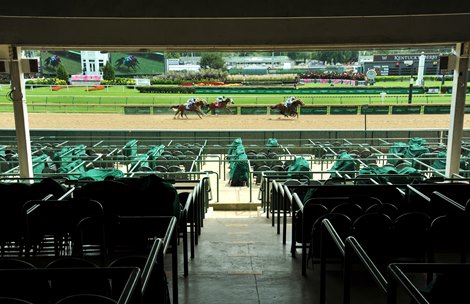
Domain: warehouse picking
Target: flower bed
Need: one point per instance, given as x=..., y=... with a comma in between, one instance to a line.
x=96, y=88
x=347, y=76
x=202, y=84
x=57, y=88
x=331, y=81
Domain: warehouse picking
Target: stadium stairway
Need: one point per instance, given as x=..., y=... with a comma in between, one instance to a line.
x=230, y=198
x=241, y=259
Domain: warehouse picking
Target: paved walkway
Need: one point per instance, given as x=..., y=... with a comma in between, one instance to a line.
x=227, y=193
x=241, y=259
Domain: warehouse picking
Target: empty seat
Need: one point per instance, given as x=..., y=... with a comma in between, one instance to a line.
x=411, y=235
x=86, y=298
x=8, y=300
x=77, y=284
x=14, y=263
x=156, y=290
x=342, y=225
x=388, y=209
x=373, y=231
x=449, y=238
x=353, y=211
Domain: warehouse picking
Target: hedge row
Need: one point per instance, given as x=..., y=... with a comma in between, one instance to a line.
x=166, y=89
x=263, y=78
x=192, y=90
x=249, y=87
x=119, y=81
x=46, y=81
x=406, y=78
x=157, y=81
x=287, y=89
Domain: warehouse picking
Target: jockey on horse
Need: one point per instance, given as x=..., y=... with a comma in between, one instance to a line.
x=289, y=101
x=289, y=107
x=220, y=103
x=190, y=102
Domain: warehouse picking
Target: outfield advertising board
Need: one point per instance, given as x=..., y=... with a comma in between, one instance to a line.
x=254, y=111
x=434, y=109
x=136, y=110
x=343, y=110
x=406, y=109
x=321, y=110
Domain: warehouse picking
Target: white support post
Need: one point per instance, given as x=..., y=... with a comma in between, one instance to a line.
x=21, y=113
x=457, y=109
x=421, y=66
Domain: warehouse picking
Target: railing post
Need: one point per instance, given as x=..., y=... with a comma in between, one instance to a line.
x=284, y=219
x=322, y=265
x=347, y=273
x=391, y=287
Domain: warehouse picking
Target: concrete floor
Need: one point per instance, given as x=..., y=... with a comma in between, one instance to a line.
x=241, y=259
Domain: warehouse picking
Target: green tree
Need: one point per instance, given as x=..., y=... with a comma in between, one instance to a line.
x=108, y=71
x=212, y=61
x=172, y=55
x=62, y=73
x=337, y=56
x=300, y=56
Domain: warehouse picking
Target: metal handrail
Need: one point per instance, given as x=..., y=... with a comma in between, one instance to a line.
x=151, y=262
x=448, y=201
x=353, y=246
x=348, y=249
x=419, y=193
x=67, y=194
x=395, y=273
x=327, y=227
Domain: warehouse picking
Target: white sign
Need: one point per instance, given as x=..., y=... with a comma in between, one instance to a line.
x=142, y=82
x=408, y=62
x=371, y=74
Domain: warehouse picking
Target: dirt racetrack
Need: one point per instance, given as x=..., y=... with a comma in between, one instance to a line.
x=230, y=122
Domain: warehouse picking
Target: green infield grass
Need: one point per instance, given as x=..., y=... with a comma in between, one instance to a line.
x=111, y=99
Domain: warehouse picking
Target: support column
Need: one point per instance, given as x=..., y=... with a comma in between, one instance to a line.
x=457, y=109
x=21, y=113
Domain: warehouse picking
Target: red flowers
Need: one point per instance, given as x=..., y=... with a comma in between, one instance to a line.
x=203, y=83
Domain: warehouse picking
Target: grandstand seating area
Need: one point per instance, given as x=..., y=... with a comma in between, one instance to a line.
x=113, y=217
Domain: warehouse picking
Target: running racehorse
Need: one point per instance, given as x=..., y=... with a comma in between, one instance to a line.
x=195, y=107
x=220, y=105
x=291, y=110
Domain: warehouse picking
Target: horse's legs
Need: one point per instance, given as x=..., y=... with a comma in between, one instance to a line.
x=177, y=112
